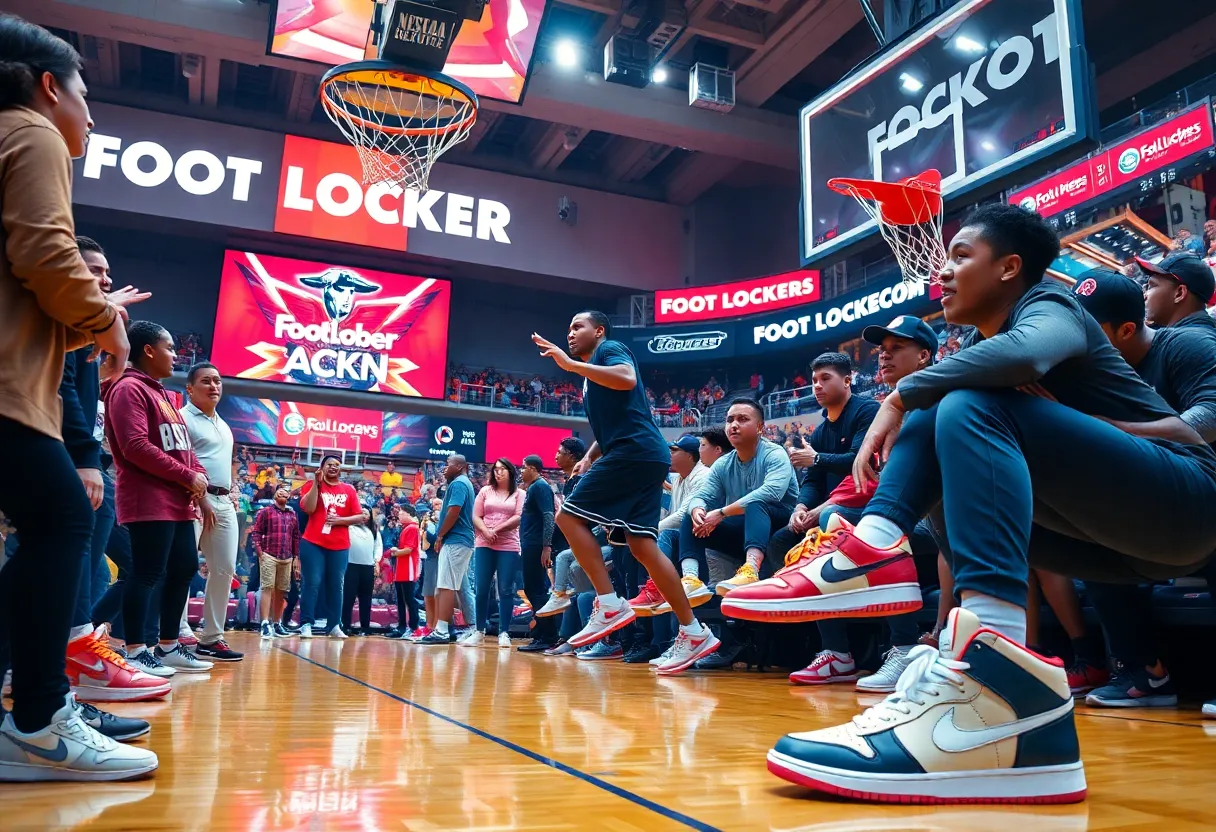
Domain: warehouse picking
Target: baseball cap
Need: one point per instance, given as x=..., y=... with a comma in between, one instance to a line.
x=1191, y=270
x=1110, y=297
x=905, y=326
x=689, y=444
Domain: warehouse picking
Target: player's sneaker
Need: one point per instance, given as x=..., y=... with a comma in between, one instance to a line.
x=558, y=601
x=306, y=631
x=563, y=649
x=146, y=661
x=218, y=651
x=883, y=681
x=118, y=728
x=504, y=640
x=187, y=637
x=1139, y=687
x=473, y=638
x=601, y=651
x=696, y=591
x=282, y=632
x=826, y=669
x=663, y=658
x=647, y=600
x=687, y=650
x=98, y=674
x=1209, y=709
x=604, y=620
x=182, y=660
x=68, y=749
x=267, y=631
x=1084, y=677
x=846, y=578
x=336, y=632
x=947, y=735
x=435, y=637
x=419, y=634
x=745, y=576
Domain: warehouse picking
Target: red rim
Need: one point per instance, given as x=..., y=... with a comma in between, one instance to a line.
x=910, y=201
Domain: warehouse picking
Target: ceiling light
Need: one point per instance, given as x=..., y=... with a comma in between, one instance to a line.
x=566, y=53
x=910, y=82
x=659, y=75
x=965, y=44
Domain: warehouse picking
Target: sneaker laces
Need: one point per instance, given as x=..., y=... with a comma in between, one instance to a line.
x=103, y=651
x=682, y=642
x=75, y=727
x=746, y=571
x=651, y=588
x=816, y=542
x=148, y=658
x=891, y=658
x=927, y=673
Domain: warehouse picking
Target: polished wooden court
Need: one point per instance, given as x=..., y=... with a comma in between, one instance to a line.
x=369, y=734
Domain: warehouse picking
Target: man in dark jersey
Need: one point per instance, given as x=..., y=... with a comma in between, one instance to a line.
x=1179, y=362
x=1179, y=289
x=1002, y=444
x=621, y=487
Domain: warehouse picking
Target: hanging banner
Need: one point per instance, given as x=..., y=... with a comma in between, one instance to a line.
x=733, y=300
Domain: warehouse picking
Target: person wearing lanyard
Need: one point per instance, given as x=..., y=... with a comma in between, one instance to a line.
x=219, y=531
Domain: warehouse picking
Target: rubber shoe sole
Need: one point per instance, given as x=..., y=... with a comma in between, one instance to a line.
x=625, y=618
x=887, y=600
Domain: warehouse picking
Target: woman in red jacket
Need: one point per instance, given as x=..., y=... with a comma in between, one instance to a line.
x=158, y=485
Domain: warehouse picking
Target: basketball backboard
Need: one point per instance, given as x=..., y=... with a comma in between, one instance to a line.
x=980, y=93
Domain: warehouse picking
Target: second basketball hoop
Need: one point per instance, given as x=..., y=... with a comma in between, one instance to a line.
x=909, y=216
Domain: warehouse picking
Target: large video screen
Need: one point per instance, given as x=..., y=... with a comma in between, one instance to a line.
x=328, y=325
x=492, y=56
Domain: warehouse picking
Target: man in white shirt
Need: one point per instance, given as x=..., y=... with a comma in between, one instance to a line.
x=219, y=532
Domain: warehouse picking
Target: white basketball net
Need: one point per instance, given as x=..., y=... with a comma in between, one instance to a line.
x=918, y=248
x=361, y=111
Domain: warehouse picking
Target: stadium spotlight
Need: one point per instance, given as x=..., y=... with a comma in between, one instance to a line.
x=566, y=53
x=659, y=75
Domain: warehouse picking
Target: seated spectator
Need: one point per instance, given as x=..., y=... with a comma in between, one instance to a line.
x=390, y=478
x=749, y=494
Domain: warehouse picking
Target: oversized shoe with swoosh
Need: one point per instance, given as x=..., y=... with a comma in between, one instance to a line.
x=836, y=575
x=983, y=720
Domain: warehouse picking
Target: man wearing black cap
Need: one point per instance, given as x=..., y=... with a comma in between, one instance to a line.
x=1180, y=364
x=1179, y=290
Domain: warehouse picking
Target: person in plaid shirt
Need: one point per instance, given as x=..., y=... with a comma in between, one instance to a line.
x=276, y=537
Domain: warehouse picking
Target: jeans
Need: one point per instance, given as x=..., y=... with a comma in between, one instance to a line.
x=359, y=581
x=536, y=588
x=103, y=522
x=468, y=593
x=407, y=606
x=165, y=552
x=293, y=598
x=486, y=563
x=561, y=571
x=321, y=571
x=752, y=530
x=44, y=499
x=1023, y=481
x=109, y=607
x=218, y=546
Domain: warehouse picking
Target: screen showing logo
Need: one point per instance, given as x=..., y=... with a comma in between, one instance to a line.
x=492, y=55
x=443, y=435
x=686, y=342
x=432, y=437
x=325, y=325
x=293, y=424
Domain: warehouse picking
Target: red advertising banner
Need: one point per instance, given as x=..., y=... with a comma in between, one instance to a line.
x=323, y=426
x=518, y=441
x=733, y=300
x=326, y=325
x=1127, y=161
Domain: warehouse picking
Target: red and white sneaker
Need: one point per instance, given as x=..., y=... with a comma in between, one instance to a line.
x=98, y=674
x=1084, y=677
x=688, y=650
x=827, y=668
x=187, y=637
x=647, y=599
x=604, y=620
x=839, y=577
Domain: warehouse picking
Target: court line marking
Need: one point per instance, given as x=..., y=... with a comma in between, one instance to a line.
x=1141, y=719
x=657, y=808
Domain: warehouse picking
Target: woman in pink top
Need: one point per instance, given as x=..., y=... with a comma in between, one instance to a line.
x=496, y=515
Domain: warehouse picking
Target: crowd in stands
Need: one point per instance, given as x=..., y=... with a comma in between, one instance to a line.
x=498, y=388
x=674, y=407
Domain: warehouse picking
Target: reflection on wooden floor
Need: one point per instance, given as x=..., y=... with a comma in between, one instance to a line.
x=434, y=738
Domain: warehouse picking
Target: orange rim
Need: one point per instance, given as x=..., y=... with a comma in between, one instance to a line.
x=384, y=75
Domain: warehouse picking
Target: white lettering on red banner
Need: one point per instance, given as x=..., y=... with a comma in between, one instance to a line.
x=733, y=300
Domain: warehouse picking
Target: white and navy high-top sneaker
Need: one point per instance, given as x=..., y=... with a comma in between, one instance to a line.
x=982, y=720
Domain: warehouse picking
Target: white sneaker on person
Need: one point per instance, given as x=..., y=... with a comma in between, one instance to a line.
x=883, y=681
x=68, y=749
x=664, y=658
x=306, y=631
x=557, y=602
x=603, y=620
x=688, y=650
x=146, y=661
x=336, y=632
x=180, y=658
x=504, y=640
x=473, y=638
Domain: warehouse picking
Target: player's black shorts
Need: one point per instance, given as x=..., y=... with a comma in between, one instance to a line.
x=623, y=496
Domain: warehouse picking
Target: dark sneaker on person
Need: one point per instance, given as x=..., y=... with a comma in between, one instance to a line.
x=218, y=651
x=1139, y=687
x=642, y=653
x=1084, y=677
x=115, y=727
x=282, y=632
x=436, y=637
x=147, y=661
x=267, y=631
x=723, y=659
x=536, y=645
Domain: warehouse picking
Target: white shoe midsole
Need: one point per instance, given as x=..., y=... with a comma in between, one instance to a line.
x=836, y=602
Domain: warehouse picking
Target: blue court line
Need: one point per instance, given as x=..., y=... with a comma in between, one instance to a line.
x=671, y=814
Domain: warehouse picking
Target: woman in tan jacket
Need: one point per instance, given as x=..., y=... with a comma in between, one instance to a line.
x=49, y=304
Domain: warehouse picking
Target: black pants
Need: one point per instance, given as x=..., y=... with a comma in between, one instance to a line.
x=537, y=589
x=358, y=584
x=293, y=598
x=43, y=498
x=109, y=606
x=407, y=606
x=164, y=551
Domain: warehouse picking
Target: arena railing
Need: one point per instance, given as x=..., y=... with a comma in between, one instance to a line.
x=686, y=417
x=789, y=402
x=484, y=395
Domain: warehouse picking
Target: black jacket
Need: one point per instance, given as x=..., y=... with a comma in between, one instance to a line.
x=837, y=444
x=80, y=391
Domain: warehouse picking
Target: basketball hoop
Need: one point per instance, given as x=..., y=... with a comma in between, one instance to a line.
x=400, y=119
x=909, y=216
